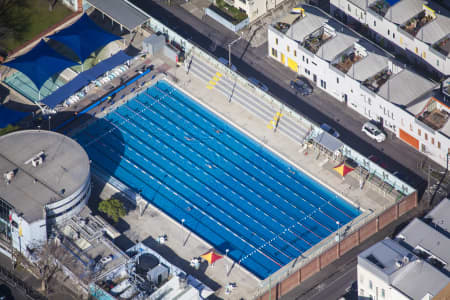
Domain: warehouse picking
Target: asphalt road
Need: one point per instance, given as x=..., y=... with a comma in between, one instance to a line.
x=320, y=107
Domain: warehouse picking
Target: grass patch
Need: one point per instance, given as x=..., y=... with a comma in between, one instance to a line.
x=8, y=129
x=28, y=19
x=236, y=14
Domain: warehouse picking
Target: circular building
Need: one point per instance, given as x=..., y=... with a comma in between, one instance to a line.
x=45, y=179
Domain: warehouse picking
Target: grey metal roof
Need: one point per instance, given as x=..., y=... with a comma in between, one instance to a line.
x=66, y=167
x=374, y=62
x=122, y=12
x=418, y=278
x=418, y=233
x=336, y=45
x=440, y=215
x=328, y=141
x=403, y=10
x=313, y=20
x=404, y=87
x=436, y=29
x=387, y=252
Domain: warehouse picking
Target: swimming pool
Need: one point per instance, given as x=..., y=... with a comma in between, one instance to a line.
x=230, y=190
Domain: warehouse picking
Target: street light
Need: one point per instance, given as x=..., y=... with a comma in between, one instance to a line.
x=49, y=118
x=228, y=267
x=229, y=50
x=182, y=225
x=338, y=239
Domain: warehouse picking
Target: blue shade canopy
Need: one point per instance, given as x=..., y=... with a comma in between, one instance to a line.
x=10, y=116
x=84, y=37
x=40, y=63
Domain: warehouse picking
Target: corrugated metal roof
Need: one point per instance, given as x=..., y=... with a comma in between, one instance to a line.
x=313, y=20
x=435, y=30
x=336, y=45
x=404, y=10
x=374, y=62
x=418, y=278
x=418, y=233
x=404, y=87
x=121, y=12
x=440, y=215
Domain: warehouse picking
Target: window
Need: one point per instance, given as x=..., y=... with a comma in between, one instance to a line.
x=416, y=50
x=374, y=23
x=361, y=15
x=393, y=35
x=426, y=136
x=419, y=132
x=389, y=32
x=369, y=101
x=348, y=7
x=361, y=292
x=274, y=53
x=437, y=62
x=424, y=54
x=295, y=53
x=432, y=141
x=383, y=293
x=307, y=60
x=337, y=80
x=410, y=127
x=370, y=284
x=303, y=58
x=439, y=145
x=361, y=278
x=276, y=41
x=287, y=48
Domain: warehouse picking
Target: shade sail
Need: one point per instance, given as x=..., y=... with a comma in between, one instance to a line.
x=40, y=63
x=211, y=256
x=9, y=116
x=343, y=169
x=84, y=37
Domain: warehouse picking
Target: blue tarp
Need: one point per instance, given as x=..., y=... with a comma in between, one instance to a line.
x=9, y=116
x=40, y=63
x=84, y=37
x=84, y=78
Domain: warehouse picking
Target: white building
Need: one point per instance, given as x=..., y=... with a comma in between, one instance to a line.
x=45, y=180
x=387, y=270
x=416, y=265
x=419, y=29
x=363, y=76
x=255, y=8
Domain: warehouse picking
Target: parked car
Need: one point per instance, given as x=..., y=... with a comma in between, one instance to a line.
x=302, y=86
x=372, y=131
x=330, y=130
x=224, y=61
x=258, y=84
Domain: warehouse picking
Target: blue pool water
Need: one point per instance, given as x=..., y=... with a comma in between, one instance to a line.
x=230, y=190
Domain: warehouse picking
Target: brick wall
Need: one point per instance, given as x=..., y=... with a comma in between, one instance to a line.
x=387, y=217
x=349, y=242
x=329, y=256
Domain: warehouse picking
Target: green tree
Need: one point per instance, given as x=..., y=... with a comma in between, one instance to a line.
x=113, y=208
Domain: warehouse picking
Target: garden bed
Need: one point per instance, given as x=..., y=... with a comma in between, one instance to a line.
x=230, y=13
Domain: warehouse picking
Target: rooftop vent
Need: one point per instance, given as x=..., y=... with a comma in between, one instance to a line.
x=398, y=263
x=37, y=159
x=405, y=259
x=9, y=176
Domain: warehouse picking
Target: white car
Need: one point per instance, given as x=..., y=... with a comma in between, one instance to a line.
x=373, y=132
x=258, y=84
x=224, y=61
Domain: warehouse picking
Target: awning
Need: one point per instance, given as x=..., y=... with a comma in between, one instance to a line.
x=121, y=12
x=328, y=141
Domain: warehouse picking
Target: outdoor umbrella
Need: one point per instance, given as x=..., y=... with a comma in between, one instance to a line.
x=211, y=256
x=343, y=169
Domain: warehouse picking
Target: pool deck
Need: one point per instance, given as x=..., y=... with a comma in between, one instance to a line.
x=185, y=245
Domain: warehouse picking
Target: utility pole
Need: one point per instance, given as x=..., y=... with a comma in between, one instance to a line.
x=229, y=49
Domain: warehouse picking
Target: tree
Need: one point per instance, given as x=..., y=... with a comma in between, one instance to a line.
x=113, y=208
